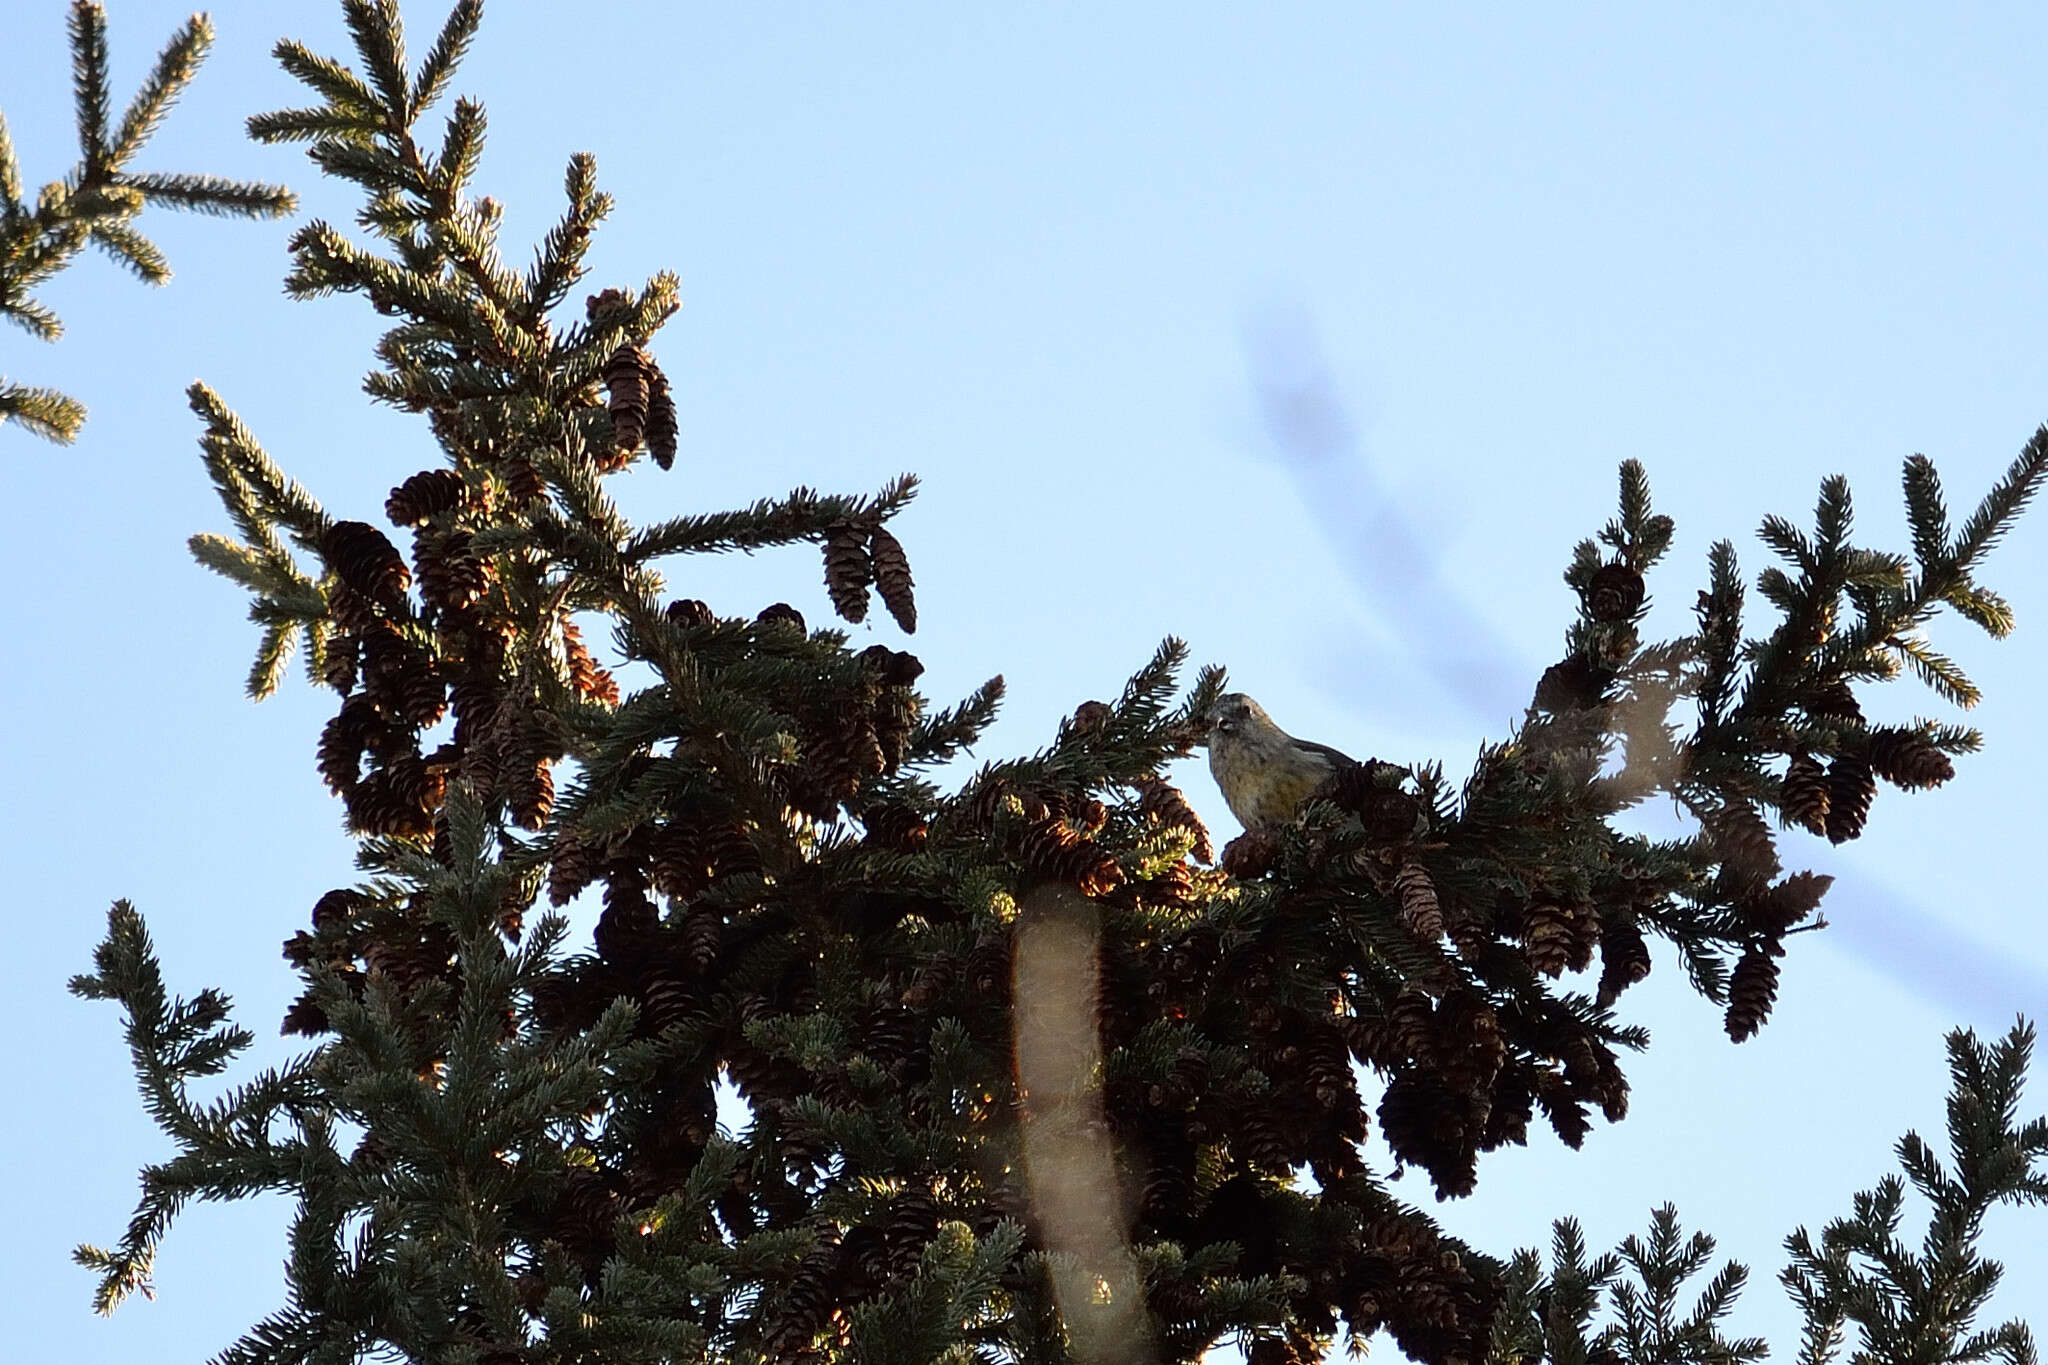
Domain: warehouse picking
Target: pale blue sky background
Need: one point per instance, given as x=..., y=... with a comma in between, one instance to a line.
x=1045, y=258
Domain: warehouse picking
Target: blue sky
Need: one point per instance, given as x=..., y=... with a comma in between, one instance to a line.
x=1047, y=260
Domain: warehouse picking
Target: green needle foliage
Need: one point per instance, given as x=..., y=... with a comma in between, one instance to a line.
x=504, y=1144
x=99, y=201
x=1907, y=1308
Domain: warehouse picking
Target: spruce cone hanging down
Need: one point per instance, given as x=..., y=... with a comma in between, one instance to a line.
x=1803, y=795
x=1624, y=960
x=626, y=382
x=364, y=560
x=892, y=579
x=451, y=576
x=1743, y=841
x=1851, y=789
x=1753, y=989
x=848, y=571
x=586, y=676
x=426, y=494
x=1906, y=759
x=1419, y=910
x=661, y=417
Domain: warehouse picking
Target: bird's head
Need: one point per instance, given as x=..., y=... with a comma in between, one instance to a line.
x=1232, y=714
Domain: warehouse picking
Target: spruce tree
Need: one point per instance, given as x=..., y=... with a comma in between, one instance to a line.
x=98, y=202
x=1026, y=1077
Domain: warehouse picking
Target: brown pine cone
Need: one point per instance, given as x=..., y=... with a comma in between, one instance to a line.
x=342, y=742
x=1851, y=788
x=1624, y=960
x=1743, y=841
x=1574, y=684
x=339, y=656
x=1803, y=796
x=1753, y=989
x=530, y=795
x=423, y=697
x=362, y=558
x=585, y=674
x=892, y=667
x=702, y=932
x=1551, y=938
x=895, y=718
x=625, y=381
x=574, y=866
x=426, y=494
x=1834, y=701
x=1419, y=909
x=1906, y=759
x=523, y=483
x=1250, y=855
x=688, y=611
x=661, y=417
x=892, y=578
x=1788, y=904
x=1055, y=849
x=781, y=614
x=848, y=571
x=1614, y=593
x=452, y=577
x=1165, y=804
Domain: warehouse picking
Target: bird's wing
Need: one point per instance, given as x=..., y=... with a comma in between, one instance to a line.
x=1336, y=756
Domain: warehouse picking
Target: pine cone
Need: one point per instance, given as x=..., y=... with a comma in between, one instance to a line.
x=1551, y=938
x=585, y=675
x=848, y=571
x=625, y=381
x=423, y=697
x=523, y=483
x=452, y=577
x=574, y=866
x=1419, y=909
x=702, y=932
x=1803, y=795
x=1753, y=989
x=1834, y=701
x=895, y=720
x=1743, y=841
x=1624, y=960
x=1250, y=855
x=1574, y=684
x=1165, y=804
x=1788, y=904
x=424, y=495
x=364, y=560
x=530, y=794
x=339, y=655
x=892, y=578
x=687, y=612
x=1055, y=849
x=892, y=667
x=661, y=417
x=781, y=614
x=1851, y=788
x=1614, y=593
x=1906, y=759
x=342, y=742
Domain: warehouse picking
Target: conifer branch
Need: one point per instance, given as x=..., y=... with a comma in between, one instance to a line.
x=101, y=198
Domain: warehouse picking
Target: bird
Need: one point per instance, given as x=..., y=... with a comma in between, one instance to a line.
x=1264, y=772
